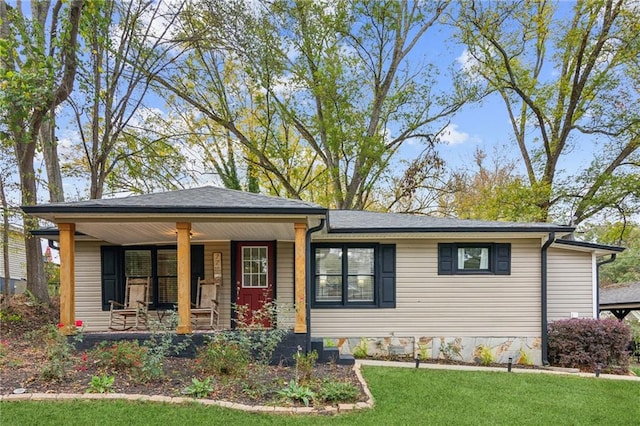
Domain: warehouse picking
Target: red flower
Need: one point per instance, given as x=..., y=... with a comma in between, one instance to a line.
x=78, y=323
x=60, y=325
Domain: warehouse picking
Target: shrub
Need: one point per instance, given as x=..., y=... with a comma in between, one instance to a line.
x=305, y=363
x=360, y=350
x=335, y=392
x=143, y=361
x=260, y=341
x=123, y=355
x=162, y=343
x=524, y=358
x=589, y=343
x=424, y=351
x=59, y=353
x=451, y=350
x=224, y=356
x=486, y=355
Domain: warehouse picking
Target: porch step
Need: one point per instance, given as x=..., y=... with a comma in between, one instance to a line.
x=331, y=354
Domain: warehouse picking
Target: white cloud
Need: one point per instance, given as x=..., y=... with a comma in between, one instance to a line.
x=469, y=65
x=452, y=136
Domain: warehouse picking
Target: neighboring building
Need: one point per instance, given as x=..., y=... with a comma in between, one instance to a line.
x=17, y=261
x=388, y=283
x=621, y=300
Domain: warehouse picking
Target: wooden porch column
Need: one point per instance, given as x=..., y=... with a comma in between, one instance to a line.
x=300, y=280
x=67, y=277
x=184, y=277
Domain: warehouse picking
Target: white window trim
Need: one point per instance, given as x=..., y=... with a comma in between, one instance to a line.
x=266, y=271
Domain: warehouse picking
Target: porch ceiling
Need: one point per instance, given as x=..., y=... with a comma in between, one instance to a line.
x=134, y=233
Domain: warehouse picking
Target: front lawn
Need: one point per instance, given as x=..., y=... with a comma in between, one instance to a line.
x=403, y=396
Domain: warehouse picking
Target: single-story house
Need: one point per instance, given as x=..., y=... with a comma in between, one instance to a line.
x=17, y=272
x=384, y=282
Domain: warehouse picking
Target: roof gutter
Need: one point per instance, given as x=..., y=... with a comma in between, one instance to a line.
x=307, y=268
x=543, y=297
x=598, y=265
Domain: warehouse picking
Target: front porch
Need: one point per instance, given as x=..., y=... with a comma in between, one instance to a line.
x=256, y=245
x=251, y=273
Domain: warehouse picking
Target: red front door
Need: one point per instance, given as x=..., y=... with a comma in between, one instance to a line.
x=255, y=277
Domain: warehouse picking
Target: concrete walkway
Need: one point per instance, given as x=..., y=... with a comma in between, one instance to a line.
x=547, y=370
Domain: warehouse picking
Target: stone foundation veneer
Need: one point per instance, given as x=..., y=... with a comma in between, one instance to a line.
x=464, y=349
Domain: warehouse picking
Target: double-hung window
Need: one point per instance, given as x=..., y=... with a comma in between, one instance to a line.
x=358, y=275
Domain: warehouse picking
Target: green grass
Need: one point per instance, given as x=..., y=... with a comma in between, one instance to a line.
x=403, y=396
x=635, y=369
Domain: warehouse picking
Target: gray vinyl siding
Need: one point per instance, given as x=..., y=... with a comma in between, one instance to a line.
x=17, y=257
x=89, y=287
x=285, y=284
x=224, y=292
x=569, y=284
x=455, y=305
x=89, y=291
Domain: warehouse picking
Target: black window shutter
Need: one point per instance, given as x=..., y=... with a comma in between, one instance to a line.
x=503, y=259
x=446, y=256
x=197, y=269
x=387, y=276
x=112, y=280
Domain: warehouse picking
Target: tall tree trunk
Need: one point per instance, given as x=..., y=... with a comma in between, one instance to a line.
x=36, y=283
x=51, y=159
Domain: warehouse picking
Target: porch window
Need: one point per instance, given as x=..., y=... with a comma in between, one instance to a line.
x=167, y=276
x=138, y=264
x=158, y=262
x=353, y=275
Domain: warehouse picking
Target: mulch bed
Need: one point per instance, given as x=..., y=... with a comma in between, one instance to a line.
x=22, y=357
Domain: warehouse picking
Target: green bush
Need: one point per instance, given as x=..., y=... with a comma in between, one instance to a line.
x=338, y=392
x=260, y=341
x=123, y=355
x=162, y=343
x=223, y=356
x=485, y=355
x=305, y=364
x=59, y=352
x=145, y=362
x=361, y=349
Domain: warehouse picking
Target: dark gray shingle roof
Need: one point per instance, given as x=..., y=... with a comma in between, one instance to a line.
x=586, y=244
x=207, y=199
x=355, y=221
x=626, y=293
